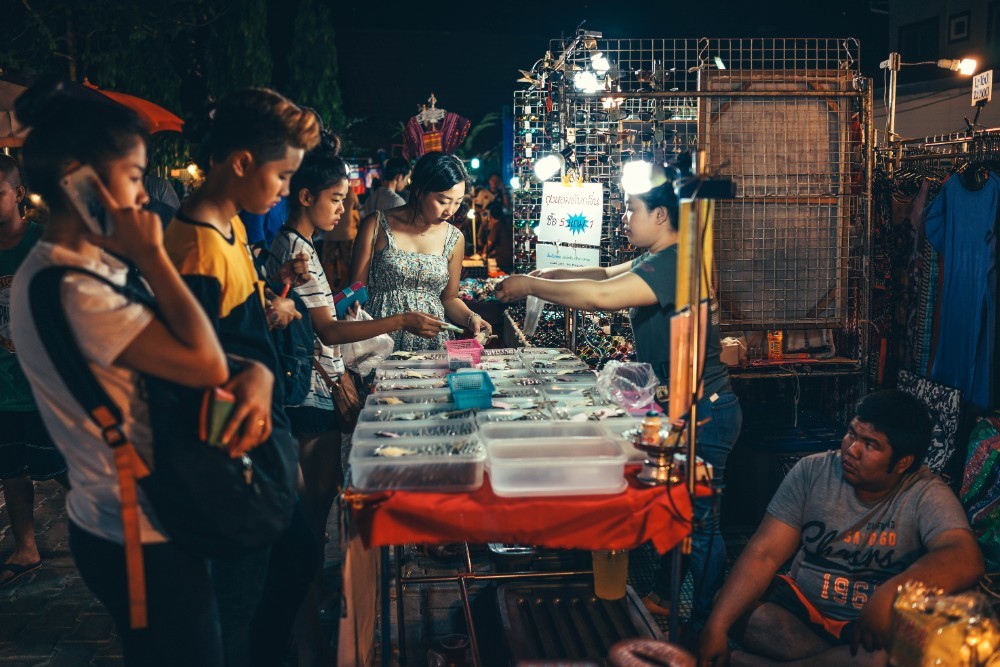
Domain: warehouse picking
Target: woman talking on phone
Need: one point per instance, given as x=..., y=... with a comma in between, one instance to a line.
x=646, y=286
x=119, y=339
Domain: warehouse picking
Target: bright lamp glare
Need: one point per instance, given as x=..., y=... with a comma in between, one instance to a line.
x=548, y=167
x=515, y=183
x=600, y=63
x=967, y=66
x=718, y=63
x=474, y=163
x=637, y=177
x=586, y=82
x=471, y=215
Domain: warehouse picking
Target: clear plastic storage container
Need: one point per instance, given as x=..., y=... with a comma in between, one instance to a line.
x=411, y=385
x=437, y=411
x=546, y=459
x=388, y=371
x=595, y=413
x=422, y=464
x=420, y=428
x=408, y=397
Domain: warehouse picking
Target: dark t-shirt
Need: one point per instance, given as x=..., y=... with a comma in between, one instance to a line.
x=651, y=324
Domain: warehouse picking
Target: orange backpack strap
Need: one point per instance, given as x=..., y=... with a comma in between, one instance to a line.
x=130, y=469
x=45, y=296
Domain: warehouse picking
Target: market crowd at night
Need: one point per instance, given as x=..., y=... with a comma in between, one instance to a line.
x=480, y=334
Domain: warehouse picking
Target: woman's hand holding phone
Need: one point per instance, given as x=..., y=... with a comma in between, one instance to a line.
x=137, y=234
x=250, y=423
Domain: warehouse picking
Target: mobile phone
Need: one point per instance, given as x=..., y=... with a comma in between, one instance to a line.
x=82, y=193
x=217, y=407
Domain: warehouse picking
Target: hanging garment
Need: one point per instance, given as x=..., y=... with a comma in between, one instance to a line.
x=961, y=225
x=447, y=138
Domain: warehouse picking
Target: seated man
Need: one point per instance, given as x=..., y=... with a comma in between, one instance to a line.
x=864, y=520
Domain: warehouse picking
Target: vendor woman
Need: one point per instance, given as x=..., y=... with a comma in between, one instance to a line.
x=646, y=286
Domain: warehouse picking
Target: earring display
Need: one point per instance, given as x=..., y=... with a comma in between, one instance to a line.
x=779, y=117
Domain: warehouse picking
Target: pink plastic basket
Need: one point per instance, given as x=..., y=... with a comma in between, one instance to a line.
x=468, y=346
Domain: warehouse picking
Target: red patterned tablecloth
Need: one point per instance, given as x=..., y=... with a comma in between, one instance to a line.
x=620, y=521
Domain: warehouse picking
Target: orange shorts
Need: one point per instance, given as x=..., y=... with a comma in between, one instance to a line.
x=784, y=593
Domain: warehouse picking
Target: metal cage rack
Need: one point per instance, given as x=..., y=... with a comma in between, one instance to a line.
x=789, y=120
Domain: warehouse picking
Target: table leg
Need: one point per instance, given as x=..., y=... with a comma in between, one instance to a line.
x=676, y=559
x=400, y=616
x=384, y=579
x=467, y=606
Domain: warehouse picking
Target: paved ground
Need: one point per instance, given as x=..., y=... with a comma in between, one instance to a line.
x=50, y=617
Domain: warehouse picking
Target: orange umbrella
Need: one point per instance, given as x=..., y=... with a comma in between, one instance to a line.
x=157, y=118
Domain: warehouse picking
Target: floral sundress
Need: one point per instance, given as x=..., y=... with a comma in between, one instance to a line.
x=401, y=281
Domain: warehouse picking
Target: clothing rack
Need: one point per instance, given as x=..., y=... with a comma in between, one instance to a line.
x=971, y=145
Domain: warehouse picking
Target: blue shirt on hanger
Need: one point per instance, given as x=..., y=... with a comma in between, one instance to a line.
x=961, y=225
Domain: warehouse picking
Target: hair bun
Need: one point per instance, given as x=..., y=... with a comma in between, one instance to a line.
x=198, y=127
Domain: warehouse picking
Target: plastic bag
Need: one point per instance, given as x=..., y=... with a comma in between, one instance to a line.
x=363, y=356
x=630, y=385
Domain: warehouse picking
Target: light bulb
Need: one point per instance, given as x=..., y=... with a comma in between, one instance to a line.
x=586, y=82
x=548, y=166
x=637, y=177
x=600, y=63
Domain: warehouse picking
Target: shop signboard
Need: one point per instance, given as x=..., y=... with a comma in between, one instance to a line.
x=571, y=213
x=550, y=256
x=982, y=87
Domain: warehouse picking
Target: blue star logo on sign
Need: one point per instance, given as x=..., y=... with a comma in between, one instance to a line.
x=577, y=223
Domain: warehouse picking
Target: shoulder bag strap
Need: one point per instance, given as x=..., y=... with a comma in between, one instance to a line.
x=52, y=327
x=378, y=222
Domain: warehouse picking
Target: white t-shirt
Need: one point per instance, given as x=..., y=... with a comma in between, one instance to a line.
x=104, y=323
x=315, y=293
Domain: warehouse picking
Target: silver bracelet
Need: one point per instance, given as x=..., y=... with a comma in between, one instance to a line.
x=468, y=322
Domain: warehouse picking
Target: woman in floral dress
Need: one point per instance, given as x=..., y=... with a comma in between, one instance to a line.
x=411, y=257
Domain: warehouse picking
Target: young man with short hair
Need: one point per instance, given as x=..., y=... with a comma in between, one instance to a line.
x=395, y=178
x=27, y=453
x=864, y=520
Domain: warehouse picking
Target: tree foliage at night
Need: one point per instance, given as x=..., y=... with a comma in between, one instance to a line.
x=312, y=62
x=178, y=53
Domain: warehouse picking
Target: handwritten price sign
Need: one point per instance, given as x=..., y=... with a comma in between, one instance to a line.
x=571, y=213
x=982, y=87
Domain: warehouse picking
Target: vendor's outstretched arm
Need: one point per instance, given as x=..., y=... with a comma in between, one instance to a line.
x=952, y=563
x=584, y=272
x=624, y=291
x=773, y=544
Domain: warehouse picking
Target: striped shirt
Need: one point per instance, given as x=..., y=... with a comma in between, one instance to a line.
x=315, y=293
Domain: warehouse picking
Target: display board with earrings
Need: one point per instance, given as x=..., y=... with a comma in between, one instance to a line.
x=787, y=119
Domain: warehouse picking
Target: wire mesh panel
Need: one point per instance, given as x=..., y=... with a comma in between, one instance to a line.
x=786, y=119
x=782, y=243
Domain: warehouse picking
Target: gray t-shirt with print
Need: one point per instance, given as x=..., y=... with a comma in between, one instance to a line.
x=850, y=548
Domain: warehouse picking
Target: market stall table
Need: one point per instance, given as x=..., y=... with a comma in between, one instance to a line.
x=619, y=521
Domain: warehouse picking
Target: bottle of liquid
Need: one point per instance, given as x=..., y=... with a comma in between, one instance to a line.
x=774, y=340
x=651, y=425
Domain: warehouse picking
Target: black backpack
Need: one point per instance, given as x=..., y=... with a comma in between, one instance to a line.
x=208, y=503
x=294, y=345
